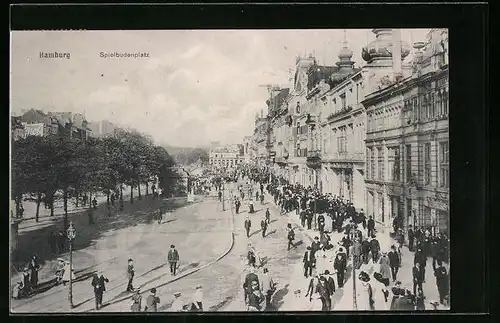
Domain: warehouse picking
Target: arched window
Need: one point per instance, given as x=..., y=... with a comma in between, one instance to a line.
x=297, y=109
x=297, y=153
x=298, y=127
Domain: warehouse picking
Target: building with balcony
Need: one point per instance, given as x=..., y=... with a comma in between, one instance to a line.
x=407, y=159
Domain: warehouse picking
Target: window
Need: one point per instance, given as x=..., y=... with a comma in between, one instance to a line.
x=439, y=108
x=444, y=177
x=297, y=109
x=432, y=106
x=372, y=162
x=298, y=127
x=342, y=140
x=427, y=163
x=408, y=208
x=423, y=107
x=408, y=162
x=393, y=159
x=343, y=100
x=445, y=103
x=380, y=166
x=368, y=158
x=297, y=151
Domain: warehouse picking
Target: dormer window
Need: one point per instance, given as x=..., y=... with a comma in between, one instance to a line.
x=297, y=109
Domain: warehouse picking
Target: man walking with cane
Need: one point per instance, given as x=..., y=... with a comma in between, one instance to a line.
x=173, y=258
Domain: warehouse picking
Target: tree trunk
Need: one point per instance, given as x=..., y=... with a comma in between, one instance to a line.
x=90, y=200
x=139, y=191
x=18, y=206
x=38, y=201
x=121, y=197
x=147, y=188
x=107, y=197
x=131, y=194
x=65, y=201
x=77, y=196
x=51, y=202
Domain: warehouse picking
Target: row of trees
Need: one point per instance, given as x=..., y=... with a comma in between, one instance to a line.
x=59, y=167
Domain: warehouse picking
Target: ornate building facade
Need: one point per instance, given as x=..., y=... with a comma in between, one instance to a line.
x=407, y=139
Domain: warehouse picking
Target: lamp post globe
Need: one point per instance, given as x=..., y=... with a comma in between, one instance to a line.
x=71, y=232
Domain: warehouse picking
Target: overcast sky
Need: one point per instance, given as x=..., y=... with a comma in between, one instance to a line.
x=195, y=87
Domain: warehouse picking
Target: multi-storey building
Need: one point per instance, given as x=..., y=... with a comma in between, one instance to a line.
x=261, y=140
x=407, y=159
x=226, y=157
x=102, y=128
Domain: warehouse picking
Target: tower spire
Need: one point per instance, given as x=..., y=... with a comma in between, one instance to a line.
x=345, y=37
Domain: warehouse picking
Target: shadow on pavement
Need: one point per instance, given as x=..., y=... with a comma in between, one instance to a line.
x=277, y=301
x=271, y=232
x=220, y=305
x=36, y=242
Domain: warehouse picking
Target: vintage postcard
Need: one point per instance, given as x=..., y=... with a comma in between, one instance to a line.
x=229, y=170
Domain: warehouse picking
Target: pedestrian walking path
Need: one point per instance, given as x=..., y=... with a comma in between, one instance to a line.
x=143, y=242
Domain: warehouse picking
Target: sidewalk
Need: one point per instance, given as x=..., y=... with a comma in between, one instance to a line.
x=149, y=254
x=36, y=241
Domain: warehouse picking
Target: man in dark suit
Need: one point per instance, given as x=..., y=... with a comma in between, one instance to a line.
x=321, y=223
x=375, y=249
x=130, y=275
x=371, y=226
x=394, y=262
x=340, y=265
x=247, y=284
x=315, y=245
x=330, y=283
x=248, y=225
x=411, y=238
x=308, y=262
x=418, y=277
x=263, y=226
x=173, y=258
x=99, y=284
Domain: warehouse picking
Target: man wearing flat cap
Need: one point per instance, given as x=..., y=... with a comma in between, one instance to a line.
x=173, y=258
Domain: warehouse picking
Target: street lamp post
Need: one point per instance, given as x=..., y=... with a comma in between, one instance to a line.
x=354, y=238
x=71, y=233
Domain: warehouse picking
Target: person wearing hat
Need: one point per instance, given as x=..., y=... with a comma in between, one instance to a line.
x=247, y=284
x=374, y=248
x=67, y=272
x=255, y=298
x=152, y=301
x=411, y=238
x=371, y=226
x=340, y=265
x=99, y=284
x=248, y=225
x=364, y=295
x=330, y=282
x=394, y=262
x=397, y=292
x=263, y=226
x=136, y=301
x=418, y=277
x=308, y=261
x=385, y=268
x=290, y=235
x=324, y=294
x=34, y=267
x=173, y=258
x=177, y=304
x=197, y=301
x=267, y=286
x=130, y=275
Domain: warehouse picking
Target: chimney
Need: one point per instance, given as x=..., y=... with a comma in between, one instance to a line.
x=396, y=53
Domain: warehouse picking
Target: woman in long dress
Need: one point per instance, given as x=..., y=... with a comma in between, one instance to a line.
x=364, y=293
x=66, y=274
x=385, y=268
x=258, y=260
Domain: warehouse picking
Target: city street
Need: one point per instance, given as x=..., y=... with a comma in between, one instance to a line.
x=199, y=232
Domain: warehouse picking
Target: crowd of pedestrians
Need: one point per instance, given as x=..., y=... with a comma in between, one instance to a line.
x=376, y=267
